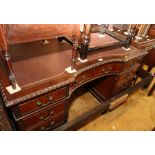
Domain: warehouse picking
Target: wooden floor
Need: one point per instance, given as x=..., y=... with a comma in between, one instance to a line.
x=137, y=114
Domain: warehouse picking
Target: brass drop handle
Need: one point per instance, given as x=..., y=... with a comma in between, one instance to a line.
x=131, y=64
x=108, y=70
x=76, y=80
x=50, y=98
x=48, y=117
x=38, y=103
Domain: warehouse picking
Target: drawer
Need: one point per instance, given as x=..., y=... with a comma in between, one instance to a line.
x=131, y=63
x=97, y=72
x=38, y=103
x=85, y=76
x=42, y=116
x=50, y=124
x=108, y=68
x=124, y=79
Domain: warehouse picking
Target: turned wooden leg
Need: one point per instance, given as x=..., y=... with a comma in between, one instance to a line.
x=151, y=90
x=8, y=63
x=128, y=41
x=74, y=53
x=84, y=47
x=85, y=39
x=148, y=70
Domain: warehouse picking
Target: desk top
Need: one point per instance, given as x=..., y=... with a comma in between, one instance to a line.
x=41, y=68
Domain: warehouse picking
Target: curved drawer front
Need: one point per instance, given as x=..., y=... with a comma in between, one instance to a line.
x=131, y=63
x=42, y=116
x=97, y=72
x=40, y=102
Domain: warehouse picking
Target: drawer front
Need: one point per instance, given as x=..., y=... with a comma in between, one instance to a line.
x=124, y=80
x=108, y=68
x=98, y=71
x=50, y=124
x=131, y=63
x=39, y=102
x=40, y=117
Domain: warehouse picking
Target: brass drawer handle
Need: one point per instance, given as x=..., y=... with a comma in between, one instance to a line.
x=107, y=71
x=76, y=81
x=131, y=64
x=48, y=117
x=38, y=103
x=43, y=105
x=50, y=98
x=50, y=125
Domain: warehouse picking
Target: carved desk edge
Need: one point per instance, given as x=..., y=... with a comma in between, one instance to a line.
x=125, y=58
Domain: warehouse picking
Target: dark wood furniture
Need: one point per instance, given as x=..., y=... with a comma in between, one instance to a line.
x=149, y=60
x=46, y=87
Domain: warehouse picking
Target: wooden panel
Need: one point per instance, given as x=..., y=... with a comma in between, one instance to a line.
x=103, y=88
x=40, y=117
x=39, y=103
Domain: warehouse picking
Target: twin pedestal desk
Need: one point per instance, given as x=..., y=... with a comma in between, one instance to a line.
x=46, y=87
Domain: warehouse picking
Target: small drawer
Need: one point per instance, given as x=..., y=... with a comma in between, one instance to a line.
x=108, y=68
x=40, y=102
x=85, y=76
x=50, y=124
x=131, y=63
x=42, y=116
x=124, y=79
x=97, y=72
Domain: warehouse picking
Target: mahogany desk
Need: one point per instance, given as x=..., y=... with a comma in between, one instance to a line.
x=46, y=88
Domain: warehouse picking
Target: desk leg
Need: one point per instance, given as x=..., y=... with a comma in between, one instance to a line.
x=151, y=90
x=148, y=70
